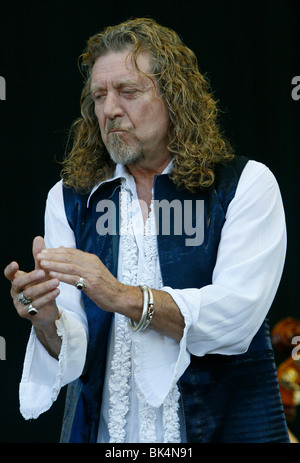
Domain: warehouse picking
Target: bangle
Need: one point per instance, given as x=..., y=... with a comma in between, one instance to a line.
x=148, y=310
x=138, y=326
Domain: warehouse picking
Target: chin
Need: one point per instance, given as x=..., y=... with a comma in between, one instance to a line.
x=126, y=158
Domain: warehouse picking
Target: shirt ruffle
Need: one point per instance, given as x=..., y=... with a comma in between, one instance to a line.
x=121, y=365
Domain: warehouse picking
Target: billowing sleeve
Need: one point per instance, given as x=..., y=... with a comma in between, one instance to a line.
x=43, y=376
x=223, y=317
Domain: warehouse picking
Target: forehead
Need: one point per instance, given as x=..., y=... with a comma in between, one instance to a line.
x=119, y=65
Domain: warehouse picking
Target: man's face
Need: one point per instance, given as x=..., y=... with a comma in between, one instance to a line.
x=133, y=117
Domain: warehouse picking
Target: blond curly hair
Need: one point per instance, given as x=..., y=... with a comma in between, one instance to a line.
x=195, y=140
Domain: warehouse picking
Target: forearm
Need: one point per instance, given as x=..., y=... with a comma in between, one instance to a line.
x=48, y=337
x=107, y=292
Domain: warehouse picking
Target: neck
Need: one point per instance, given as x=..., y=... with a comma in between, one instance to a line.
x=145, y=174
x=144, y=180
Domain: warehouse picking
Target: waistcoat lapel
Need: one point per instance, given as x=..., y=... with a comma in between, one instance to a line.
x=83, y=399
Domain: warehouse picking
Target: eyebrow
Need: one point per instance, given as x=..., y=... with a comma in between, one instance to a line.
x=120, y=84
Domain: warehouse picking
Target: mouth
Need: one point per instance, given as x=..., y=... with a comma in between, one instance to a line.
x=116, y=131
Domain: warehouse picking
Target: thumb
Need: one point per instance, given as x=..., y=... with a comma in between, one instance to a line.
x=12, y=271
x=37, y=246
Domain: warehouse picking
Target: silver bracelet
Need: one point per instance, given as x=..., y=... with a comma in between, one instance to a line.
x=147, y=313
x=150, y=311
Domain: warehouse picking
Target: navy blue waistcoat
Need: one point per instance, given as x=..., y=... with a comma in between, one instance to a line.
x=224, y=398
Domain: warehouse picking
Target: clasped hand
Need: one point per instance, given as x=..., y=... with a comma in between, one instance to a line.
x=53, y=266
x=68, y=265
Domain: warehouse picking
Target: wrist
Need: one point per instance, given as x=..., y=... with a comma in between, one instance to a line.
x=44, y=324
x=130, y=302
x=48, y=337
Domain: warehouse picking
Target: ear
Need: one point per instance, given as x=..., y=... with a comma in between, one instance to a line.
x=37, y=246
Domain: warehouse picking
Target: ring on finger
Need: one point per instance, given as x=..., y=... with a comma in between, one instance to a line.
x=32, y=310
x=80, y=284
x=23, y=299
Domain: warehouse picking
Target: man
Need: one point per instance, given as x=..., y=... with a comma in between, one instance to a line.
x=160, y=339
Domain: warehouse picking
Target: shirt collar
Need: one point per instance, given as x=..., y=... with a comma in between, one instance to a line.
x=122, y=172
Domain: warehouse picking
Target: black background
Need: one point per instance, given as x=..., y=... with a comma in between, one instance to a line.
x=250, y=52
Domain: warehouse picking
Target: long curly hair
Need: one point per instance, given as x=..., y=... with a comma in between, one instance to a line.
x=195, y=140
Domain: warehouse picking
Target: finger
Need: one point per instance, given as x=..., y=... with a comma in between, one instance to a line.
x=61, y=250
x=37, y=246
x=64, y=272
x=39, y=303
x=45, y=299
x=75, y=258
x=68, y=255
x=70, y=268
x=27, y=279
x=19, y=273
x=66, y=278
x=36, y=291
x=11, y=270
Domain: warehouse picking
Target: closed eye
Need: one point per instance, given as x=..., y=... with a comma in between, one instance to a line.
x=98, y=96
x=128, y=93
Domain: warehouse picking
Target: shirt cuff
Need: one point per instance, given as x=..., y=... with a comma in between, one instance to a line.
x=43, y=376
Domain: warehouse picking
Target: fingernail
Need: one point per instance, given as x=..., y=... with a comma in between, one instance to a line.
x=40, y=274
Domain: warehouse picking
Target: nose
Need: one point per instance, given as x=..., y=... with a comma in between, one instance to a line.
x=112, y=106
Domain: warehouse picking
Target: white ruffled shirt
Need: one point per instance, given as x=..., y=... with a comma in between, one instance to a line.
x=220, y=318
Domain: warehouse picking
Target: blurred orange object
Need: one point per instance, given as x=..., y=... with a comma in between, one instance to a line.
x=283, y=333
x=283, y=336
x=289, y=383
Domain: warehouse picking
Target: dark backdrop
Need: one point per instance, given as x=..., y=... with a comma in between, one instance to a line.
x=250, y=52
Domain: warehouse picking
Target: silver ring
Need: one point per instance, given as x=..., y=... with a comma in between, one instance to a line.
x=32, y=310
x=80, y=284
x=24, y=299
